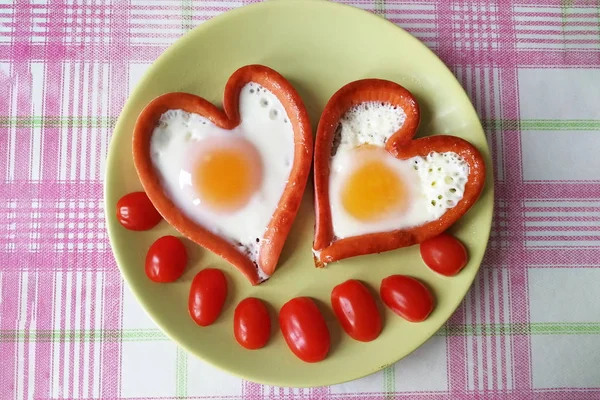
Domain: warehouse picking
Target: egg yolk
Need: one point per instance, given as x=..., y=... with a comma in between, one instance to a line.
x=372, y=191
x=226, y=178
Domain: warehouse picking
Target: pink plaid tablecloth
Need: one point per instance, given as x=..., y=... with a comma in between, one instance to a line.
x=530, y=326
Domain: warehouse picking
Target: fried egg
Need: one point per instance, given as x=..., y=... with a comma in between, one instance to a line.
x=372, y=191
x=228, y=181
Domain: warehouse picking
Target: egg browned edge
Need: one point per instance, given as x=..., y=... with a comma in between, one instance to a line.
x=326, y=247
x=228, y=118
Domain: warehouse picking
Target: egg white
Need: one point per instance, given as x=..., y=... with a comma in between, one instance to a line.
x=434, y=183
x=266, y=125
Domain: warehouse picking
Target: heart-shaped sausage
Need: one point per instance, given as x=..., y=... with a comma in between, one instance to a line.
x=270, y=245
x=328, y=246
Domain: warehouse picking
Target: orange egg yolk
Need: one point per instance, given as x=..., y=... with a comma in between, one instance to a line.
x=373, y=190
x=227, y=177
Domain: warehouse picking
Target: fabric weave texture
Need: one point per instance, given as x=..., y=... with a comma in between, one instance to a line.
x=528, y=329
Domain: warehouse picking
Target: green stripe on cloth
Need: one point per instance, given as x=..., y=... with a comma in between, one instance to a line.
x=186, y=15
x=564, y=11
x=380, y=7
x=181, y=372
x=542, y=124
x=109, y=122
x=57, y=122
x=389, y=382
x=99, y=335
x=538, y=328
x=148, y=335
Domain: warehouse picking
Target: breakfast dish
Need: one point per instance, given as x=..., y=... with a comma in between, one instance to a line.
x=377, y=188
x=196, y=295
x=227, y=175
x=229, y=180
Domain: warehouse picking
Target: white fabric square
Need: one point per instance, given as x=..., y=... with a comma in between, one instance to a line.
x=565, y=361
x=428, y=360
x=560, y=155
x=559, y=295
x=136, y=71
x=369, y=384
x=134, y=316
x=148, y=369
x=559, y=93
x=203, y=378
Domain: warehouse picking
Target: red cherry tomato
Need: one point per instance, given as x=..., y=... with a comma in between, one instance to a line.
x=355, y=308
x=304, y=329
x=251, y=323
x=166, y=259
x=444, y=254
x=407, y=297
x=207, y=296
x=136, y=212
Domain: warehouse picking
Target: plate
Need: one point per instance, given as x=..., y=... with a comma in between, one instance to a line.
x=318, y=46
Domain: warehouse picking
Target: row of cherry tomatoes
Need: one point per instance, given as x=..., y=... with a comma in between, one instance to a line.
x=301, y=323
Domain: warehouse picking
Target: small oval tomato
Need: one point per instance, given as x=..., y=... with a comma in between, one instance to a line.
x=207, y=296
x=251, y=324
x=136, y=212
x=407, y=297
x=355, y=308
x=444, y=254
x=304, y=329
x=166, y=259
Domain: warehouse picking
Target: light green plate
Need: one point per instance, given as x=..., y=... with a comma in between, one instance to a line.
x=318, y=46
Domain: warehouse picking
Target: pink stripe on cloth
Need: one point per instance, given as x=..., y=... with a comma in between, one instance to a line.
x=51, y=108
x=61, y=261
x=519, y=301
x=9, y=317
x=110, y=383
x=320, y=393
x=503, y=343
x=456, y=355
x=252, y=391
x=53, y=190
x=110, y=352
x=29, y=318
x=147, y=53
x=567, y=393
x=62, y=323
x=519, y=308
x=43, y=349
x=7, y=88
x=562, y=257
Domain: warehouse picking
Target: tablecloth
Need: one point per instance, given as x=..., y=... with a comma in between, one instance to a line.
x=528, y=329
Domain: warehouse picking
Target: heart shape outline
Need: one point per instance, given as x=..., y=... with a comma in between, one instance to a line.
x=281, y=221
x=402, y=145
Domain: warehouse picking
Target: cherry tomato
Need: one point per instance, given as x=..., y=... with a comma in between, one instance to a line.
x=304, y=329
x=166, y=259
x=207, y=296
x=407, y=297
x=251, y=323
x=136, y=212
x=355, y=308
x=444, y=254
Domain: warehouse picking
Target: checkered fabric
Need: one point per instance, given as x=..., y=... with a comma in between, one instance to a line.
x=528, y=329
